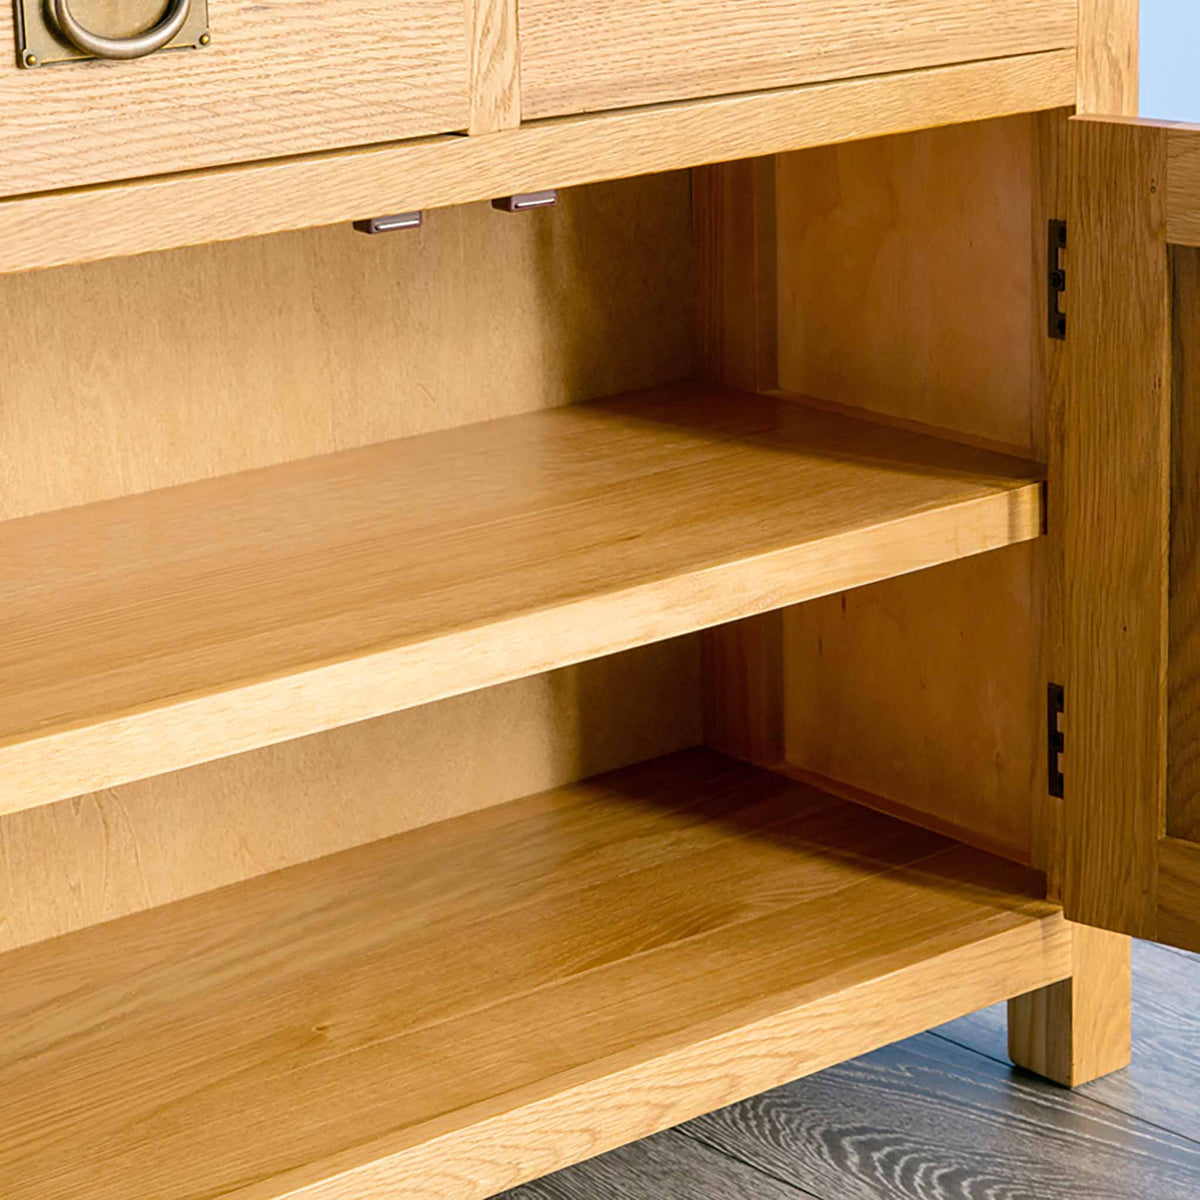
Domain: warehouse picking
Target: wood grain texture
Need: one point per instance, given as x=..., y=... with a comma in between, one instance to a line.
x=742, y=674
x=1116, y=485
x=1159, y=1085
x=667, y=1166
x=915, y=814
x=495, y=70
x=927, y=1120
x=1179, y=893
x=316, y=342
x=1183, y=184
x=1049, y=397
x=582, y=56
x=1183, y=670
x=289, y=78
x=1077, y=1030
x=879, y=681
x=327, y=340
x=545, y=955
x=733, y=208
x=737, y=247
x=223, y=204
x=927, y=690
x=106, y=855
x=880, y=242
x=1107, y=81
x=157, y=631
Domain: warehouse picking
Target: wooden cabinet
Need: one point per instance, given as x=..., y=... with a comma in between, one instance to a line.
x=474, y=696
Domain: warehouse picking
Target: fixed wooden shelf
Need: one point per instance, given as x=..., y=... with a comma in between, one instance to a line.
x=468, y=1005
x=156, y=631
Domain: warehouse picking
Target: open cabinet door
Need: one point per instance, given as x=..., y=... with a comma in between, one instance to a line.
x=1131, y=511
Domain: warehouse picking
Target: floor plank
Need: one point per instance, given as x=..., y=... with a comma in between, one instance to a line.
x=668, y=1166
x=927, y=1119
x=1162, y=1084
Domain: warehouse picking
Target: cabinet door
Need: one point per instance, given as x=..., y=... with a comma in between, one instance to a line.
x=1131, y=500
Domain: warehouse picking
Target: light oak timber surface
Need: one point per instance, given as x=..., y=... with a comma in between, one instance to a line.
x=121, y=850
x=461, y=1008
x=1131, y=542
x=1179, y=177
x=495, y=66
x=157, y=631
x=156, y=367
x=1049, y=401
x=282, y=78
x=1116, y=482
x=1160, y=1086
x=1183, y=184
x=1183, y=644
x=317, y=341
x=733, y=218
x=876, y=242
x=1107, y=78
x=243, y=201
x=1179, y=893
x=1077, y=1030
x=581, y=56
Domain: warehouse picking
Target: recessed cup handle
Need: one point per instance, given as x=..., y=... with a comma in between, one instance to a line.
x=137, y=46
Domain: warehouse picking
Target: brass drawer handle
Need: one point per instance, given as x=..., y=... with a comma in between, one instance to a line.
x=123, y=48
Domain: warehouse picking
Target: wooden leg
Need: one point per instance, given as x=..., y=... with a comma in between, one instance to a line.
x=1075, y=1031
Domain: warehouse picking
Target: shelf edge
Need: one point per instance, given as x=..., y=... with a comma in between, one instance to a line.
x=459, y=1155
x=187, y=731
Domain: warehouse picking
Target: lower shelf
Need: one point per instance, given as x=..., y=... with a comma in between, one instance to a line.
x=450, y=1012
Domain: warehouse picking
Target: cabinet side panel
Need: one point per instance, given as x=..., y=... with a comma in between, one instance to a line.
x=733, y=206
x=911, y=282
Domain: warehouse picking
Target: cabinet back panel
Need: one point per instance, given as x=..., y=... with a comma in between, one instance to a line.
x=134, y=374
x=909, y=285
x=105, y=855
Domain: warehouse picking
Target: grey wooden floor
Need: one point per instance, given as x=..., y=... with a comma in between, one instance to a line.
x=943, y=1116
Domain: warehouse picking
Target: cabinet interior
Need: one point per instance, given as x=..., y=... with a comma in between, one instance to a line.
x=231, y=473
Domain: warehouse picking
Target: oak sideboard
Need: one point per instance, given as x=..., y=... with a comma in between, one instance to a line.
x=565, y=563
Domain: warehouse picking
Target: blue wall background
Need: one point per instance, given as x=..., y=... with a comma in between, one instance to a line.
x=1169, y=84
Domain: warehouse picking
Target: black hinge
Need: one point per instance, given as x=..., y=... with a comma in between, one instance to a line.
x=1054, y=738
x=1056, y=279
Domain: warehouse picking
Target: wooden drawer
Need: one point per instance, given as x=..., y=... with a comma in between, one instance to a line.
x=585, y=55
x=278, y=79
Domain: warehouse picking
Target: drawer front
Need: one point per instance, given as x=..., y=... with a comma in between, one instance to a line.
x=586, y=55
x=282, y=78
